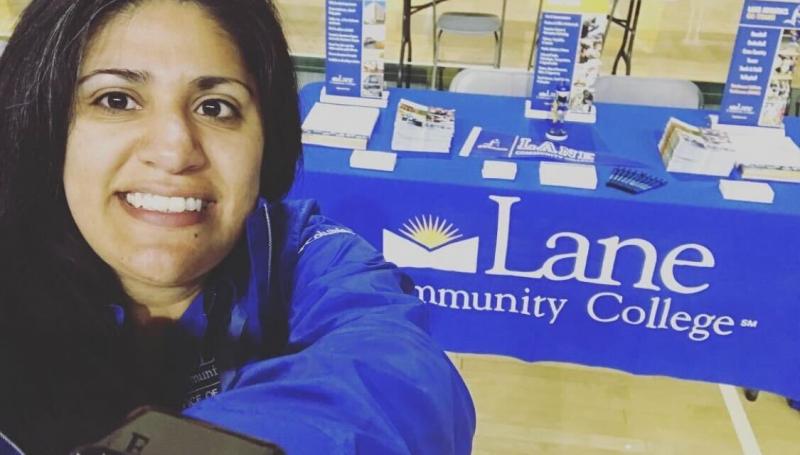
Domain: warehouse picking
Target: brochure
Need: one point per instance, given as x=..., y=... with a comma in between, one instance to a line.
x=688, y=149
x=421, y=128
x=337, y=125
x=770, y=172
x=775, y=158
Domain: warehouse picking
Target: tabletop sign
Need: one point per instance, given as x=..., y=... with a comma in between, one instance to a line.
x=568, y=53
x=355, y=35
x=764, y=58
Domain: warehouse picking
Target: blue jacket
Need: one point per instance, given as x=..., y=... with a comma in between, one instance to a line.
x=327, y=352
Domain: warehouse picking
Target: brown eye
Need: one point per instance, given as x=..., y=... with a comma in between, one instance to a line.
x=217, y=109
x=117, y=101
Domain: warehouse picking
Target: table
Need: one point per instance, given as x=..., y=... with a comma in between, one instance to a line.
x=676, y=281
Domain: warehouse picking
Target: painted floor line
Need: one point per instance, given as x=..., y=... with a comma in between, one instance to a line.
x=747, y=439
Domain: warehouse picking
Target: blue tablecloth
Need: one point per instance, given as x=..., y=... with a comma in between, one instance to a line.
x=675, y=281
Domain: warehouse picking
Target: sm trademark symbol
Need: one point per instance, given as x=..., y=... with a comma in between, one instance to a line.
x=749, y=323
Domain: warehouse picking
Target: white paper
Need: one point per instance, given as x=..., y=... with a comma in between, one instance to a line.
x=466, y=149
x=499, y=170
x=373, y=160
x=570, y=175
x=337, y=125
x=355, y=100
x=739, y=190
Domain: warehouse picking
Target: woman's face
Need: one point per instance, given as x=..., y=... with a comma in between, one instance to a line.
x=165, y=146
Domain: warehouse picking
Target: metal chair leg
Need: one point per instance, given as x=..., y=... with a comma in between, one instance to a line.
x=437, y=36
x=751, y=394
x=496, y=50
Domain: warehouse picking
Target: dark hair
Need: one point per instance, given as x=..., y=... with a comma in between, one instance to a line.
x=64, y=376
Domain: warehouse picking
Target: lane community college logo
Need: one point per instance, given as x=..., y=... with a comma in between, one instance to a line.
x=432, y=243
x=794, y=19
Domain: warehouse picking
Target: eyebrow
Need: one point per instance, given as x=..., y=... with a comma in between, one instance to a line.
x=209, y=82
x=136, y=77
x=139, y=77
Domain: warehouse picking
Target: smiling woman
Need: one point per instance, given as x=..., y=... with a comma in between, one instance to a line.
x=149, y=138
x=148, y=257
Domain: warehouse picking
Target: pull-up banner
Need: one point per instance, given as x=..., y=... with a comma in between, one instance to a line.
x=355, y=34
x=763, y=62
x=570, y=43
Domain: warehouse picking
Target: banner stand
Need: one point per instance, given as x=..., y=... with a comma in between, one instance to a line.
x=355, y=100
x=570, y=35
x=575, y=117
x=355, y=38
x=765, y=54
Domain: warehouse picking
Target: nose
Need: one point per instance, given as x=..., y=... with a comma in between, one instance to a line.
x=172, y=143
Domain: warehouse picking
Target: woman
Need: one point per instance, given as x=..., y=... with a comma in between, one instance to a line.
x=147, y=256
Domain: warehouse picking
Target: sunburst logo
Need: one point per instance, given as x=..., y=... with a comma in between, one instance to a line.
x=430, y=232
x=431, y=242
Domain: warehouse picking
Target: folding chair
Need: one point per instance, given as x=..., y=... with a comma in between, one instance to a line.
x=466, y=23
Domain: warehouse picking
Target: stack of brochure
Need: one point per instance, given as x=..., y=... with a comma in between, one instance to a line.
x=773, y=157
x=688, y=149
x=771, y=172
x=336, y=125
x=420, y=128
x=712, y=151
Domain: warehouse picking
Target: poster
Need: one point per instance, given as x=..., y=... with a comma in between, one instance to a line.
x=355, y=36
x=570, y=44
x=763, y=64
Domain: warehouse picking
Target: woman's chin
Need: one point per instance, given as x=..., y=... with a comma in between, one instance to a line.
x=152, y=276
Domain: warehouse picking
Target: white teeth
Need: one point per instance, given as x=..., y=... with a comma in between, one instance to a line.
x=164, y=204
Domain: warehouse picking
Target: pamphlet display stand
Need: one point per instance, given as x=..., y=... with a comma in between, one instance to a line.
x=763, y=63
x=355, y=36
x=571, y=34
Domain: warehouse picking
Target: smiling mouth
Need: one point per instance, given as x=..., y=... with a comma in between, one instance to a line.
x=165, y=204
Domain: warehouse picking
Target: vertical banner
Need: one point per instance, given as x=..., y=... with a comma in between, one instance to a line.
x=568, y=53
x=763, y=62
x=355, y=34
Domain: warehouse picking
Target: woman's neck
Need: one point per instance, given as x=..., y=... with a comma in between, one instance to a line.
x=156, y=306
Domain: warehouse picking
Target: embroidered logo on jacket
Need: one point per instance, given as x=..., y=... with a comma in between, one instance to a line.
x=325, y=233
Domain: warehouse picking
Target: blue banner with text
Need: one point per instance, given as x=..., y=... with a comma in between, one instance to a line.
x=570, y=44
x=355, y=35
x=763, y=62
x=537, y=277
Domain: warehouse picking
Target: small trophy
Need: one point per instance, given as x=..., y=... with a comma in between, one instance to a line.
x=557, y=131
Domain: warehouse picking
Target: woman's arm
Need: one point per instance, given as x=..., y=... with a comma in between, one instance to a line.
x=361, y=374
